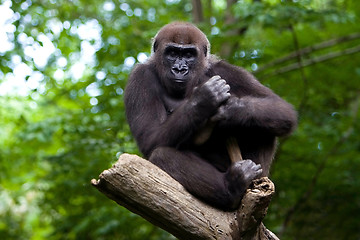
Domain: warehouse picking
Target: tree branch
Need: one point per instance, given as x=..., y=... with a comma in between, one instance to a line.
x=307, y=50
x=145, y=189
x=312, y=61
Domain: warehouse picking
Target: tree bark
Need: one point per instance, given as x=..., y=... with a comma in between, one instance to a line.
x=148, y=191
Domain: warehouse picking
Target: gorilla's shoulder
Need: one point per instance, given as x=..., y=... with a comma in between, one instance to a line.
x=143, y=70
x=221, y=64
x=143, y=67
x=223, y=68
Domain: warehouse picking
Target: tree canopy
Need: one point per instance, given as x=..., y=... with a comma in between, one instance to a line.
x=63, y=71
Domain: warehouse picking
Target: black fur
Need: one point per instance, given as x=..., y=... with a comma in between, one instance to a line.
x=165, y=122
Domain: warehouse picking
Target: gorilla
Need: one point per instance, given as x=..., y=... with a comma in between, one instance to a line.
x=182, y=106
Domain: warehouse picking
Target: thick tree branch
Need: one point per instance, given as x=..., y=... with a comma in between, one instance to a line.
x=145, y=189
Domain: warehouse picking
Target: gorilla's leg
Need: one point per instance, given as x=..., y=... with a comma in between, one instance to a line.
x=201, y=178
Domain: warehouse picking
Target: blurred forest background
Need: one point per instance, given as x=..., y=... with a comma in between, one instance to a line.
x=63, y=70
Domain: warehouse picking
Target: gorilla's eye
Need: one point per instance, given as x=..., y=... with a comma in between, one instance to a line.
x=172, y=53
x=188, y=55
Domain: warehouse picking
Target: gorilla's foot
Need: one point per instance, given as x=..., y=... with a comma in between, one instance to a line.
x=239, y=176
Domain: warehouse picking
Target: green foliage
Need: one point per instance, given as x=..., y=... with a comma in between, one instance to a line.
x=67, y=122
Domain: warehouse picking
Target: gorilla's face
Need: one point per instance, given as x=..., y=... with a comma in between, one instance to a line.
x=179, y=65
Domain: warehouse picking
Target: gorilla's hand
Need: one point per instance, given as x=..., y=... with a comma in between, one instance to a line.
x=226, y=110
x=217, y=90
x=209, y=96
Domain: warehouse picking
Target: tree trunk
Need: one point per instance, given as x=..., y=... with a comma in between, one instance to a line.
x=197, y=11
x=145, y=189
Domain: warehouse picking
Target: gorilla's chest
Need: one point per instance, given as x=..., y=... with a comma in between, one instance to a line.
x=171, y=104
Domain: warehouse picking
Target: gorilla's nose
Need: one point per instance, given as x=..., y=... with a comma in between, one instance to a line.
x=180, y=69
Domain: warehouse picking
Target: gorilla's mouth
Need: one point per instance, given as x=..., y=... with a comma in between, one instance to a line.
x=179, y=80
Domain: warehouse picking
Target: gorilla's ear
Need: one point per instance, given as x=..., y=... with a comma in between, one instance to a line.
x=155, y=45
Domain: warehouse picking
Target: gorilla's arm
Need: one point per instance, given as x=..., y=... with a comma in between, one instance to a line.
x=253, y=105
x=149, y=121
